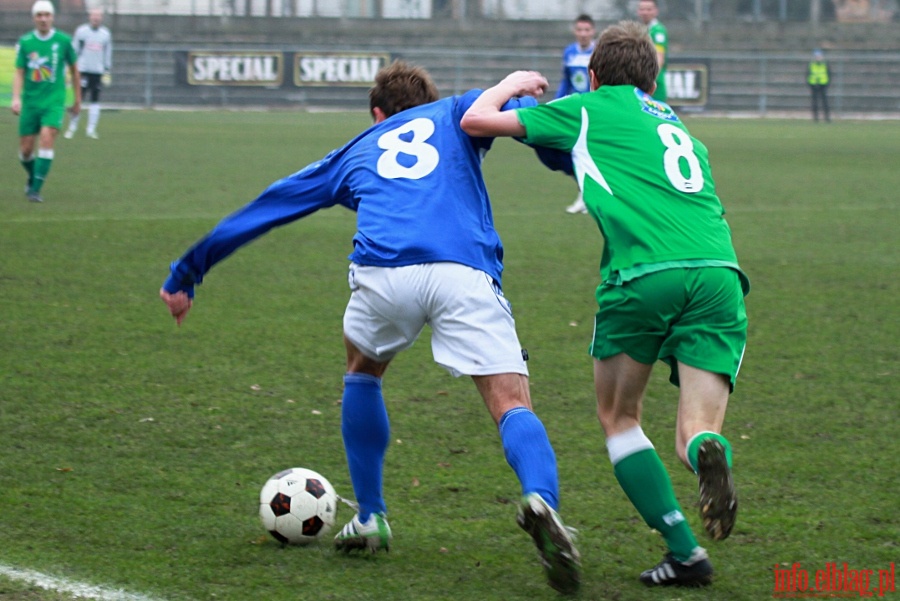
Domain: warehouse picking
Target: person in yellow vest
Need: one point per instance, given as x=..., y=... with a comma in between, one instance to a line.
x=818, y=76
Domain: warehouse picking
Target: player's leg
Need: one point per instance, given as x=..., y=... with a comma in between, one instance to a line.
x=702, y=448
x=706, y=345
x=577, y=205
x=366, y=433
x=29, y=128
x=51, y=120
x=380, y=321
x=529, y=453
x=474, y=333
x=73, y=126
x=44, y=160
x=93, y=105
x=703, y=399
x=628, y=334
x=27, y=158
x=524, y=438
x=620, y=382
x=365, y=429
x=74, y=119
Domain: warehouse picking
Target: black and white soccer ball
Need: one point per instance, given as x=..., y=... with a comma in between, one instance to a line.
x=298, y=506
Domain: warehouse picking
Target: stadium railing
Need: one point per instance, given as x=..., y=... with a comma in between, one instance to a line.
x=760, y=83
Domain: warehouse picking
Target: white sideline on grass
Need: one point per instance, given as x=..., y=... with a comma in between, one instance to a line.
x=79, y=590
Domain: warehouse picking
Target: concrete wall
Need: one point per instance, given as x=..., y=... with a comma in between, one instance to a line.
x=752, y=66
x=758, y=83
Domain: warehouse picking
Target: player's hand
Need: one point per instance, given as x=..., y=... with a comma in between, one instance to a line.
x=16, y=106
x=75, y=108
x=526, y=83
x=179, y=304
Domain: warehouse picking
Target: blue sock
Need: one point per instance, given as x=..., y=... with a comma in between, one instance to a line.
x=367, y=434
x=529, y=453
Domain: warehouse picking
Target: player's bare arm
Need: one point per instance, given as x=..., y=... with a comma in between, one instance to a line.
x=484, y=117
x=18, y=82
x=76, y=88
x=179, y=303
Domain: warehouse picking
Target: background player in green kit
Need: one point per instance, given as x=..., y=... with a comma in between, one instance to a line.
x=648, y=12
x=671, y=286
x=39, y=93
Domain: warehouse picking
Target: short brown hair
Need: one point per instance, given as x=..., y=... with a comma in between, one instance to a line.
x=625, y=56
x=584, y=18
x=400, y=86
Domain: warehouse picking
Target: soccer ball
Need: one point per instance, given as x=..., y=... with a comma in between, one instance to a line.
x=297, y=506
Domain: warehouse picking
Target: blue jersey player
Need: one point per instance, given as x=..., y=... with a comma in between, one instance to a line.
x=575, y=59
x=425, y=251
x=575, y=76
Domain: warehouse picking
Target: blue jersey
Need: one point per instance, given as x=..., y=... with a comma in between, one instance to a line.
x=414, y=180
x=575, y=78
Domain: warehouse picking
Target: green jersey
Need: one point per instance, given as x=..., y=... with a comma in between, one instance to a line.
x=660, y=38
x=645, y=180
x=45, y=62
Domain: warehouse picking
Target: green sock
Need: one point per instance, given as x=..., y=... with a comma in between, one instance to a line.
x=644, y=479
x=41, y=167
x=28, y=165
x=693, y=447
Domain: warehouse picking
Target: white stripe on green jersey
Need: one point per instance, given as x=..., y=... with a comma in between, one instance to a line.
x=44, y=61
x=645, y=180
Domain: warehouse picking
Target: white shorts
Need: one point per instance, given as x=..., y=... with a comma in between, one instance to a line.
x=473, y=330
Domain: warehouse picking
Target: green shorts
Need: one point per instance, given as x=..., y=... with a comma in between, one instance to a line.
x=692, y=315
x=32, y=119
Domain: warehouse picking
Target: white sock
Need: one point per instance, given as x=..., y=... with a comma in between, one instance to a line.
x=73, y=124
x=627, y=443
x=93, y=116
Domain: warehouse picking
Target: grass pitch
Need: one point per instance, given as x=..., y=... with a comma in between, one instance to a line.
x=132, y=451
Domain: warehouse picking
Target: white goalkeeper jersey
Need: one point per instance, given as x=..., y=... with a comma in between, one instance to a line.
x=94, y=48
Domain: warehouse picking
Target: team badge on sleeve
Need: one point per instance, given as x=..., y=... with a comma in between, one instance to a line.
x=657, y=108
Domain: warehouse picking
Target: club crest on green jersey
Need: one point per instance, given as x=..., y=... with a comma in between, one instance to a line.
x=40, y=67
x=655, y=107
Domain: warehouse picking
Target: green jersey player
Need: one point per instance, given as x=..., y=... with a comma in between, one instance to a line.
x=671, y=287
x=647, y=13
x=39, y=93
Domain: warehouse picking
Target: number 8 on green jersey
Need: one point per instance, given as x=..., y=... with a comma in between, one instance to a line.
x=630, y=152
